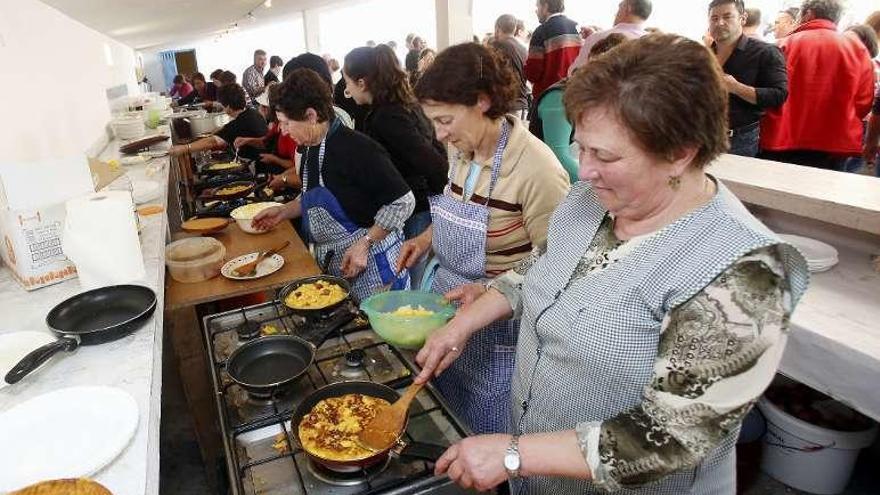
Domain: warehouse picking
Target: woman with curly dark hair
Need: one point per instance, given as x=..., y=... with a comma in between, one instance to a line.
x=395, y=120
x=354, y=202
x=503, y=184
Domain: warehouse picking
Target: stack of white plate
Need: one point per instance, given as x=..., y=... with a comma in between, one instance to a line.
x=130, y=127
x=820, y=256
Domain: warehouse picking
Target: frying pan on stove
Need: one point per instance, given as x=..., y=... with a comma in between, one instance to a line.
x=90, y=318
x=423, y=451
x=266, y=364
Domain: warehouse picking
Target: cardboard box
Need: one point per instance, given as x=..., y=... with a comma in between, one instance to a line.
x=32, y=198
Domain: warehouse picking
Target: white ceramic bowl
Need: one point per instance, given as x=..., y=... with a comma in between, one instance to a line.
x=243, y=215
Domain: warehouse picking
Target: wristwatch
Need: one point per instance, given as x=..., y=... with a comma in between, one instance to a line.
x=511, y=458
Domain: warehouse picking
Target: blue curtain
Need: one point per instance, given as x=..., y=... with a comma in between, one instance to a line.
x=169, y=70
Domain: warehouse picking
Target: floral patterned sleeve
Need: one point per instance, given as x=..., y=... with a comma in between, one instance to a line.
x=718, y=352
x=509, y=283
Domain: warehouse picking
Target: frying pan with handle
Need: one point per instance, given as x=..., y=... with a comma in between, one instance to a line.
x=90, y=318
x=423, y=451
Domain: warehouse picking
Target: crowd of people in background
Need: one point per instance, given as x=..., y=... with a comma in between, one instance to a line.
x=774, y=111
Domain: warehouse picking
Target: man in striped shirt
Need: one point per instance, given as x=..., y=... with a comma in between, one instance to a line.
x=252, y=79
x=554, y=46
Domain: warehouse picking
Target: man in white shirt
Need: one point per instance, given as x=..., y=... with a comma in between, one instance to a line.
x=252, y=79
x=629, y=21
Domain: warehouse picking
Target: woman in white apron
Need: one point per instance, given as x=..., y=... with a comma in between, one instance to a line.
x=354, y=202
x=503, y=183
x=659, y=311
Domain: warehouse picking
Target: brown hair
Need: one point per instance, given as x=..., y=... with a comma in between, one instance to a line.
x=873, y=21
x=665, y=89
x=554, y=6
x=867, y=36
x=227, y=77
x=304, y=89
x=607, y=43
x=380, y=70
x=232, y=96
x=461, y=73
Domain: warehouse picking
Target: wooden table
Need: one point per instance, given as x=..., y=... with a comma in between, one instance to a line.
x=183, y=322
x=298, y=263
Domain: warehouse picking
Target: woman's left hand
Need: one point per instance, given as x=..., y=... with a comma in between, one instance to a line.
x=269, y=158
x=475, y=462
x=355, y=260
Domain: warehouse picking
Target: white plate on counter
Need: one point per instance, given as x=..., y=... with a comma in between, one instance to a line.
x=266, y=267
x=68, y=433
x=819, y=255
x=16, y=345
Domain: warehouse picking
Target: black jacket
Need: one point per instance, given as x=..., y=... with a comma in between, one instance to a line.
x=408, y=136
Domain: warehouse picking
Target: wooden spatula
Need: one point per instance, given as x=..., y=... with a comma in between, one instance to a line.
x=384, y=429
x=249, y=268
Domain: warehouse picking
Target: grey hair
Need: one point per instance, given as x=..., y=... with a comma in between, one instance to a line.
x=640, y=8
x=823, y=9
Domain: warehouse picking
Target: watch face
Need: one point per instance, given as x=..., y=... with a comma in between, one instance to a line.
x=511, y=462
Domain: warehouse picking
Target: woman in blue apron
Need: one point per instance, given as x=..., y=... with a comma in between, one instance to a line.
x=354, y=202
x=503, y=183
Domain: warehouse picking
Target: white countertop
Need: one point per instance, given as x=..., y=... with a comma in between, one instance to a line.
x=133, y=364
x=834, y=345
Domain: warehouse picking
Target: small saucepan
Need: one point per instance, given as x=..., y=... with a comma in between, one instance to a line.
x=93, y=317
x=423, y=451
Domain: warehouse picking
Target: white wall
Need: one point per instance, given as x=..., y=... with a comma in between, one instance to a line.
x=54, y=73
x=234, y=51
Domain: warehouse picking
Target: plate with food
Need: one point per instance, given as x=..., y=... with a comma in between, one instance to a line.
x=266, y=267
x=315, y=295
x=208, y=225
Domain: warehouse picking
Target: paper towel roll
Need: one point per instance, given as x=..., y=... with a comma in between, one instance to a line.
x=101, y=239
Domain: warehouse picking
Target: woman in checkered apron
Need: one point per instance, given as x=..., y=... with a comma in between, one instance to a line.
x=657, y=314
x=503, y=184
x=354, y=201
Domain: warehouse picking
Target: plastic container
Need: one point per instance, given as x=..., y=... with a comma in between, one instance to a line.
x=407, y=332
x=195, y=259
x=244, y=215
x=809, y=457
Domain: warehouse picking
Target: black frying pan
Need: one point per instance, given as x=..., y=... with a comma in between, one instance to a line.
x=269, y=363
x=90, y=318
x=316, y=313
x=423, y=451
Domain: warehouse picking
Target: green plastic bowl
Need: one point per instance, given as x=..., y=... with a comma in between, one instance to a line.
x=407, y=332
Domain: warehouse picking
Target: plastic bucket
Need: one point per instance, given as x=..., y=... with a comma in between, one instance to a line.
x=808, y=457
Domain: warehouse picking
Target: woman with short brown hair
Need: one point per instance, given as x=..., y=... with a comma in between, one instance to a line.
x=657, y=314
x=503, y=183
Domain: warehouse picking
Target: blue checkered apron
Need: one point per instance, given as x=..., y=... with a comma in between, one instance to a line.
x=587, y=350
x=477, y=385
x=330, y=229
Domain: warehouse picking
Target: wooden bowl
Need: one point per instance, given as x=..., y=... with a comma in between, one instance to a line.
x=209, y=225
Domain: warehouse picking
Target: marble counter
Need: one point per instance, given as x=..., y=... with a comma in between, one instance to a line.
x=132, y=364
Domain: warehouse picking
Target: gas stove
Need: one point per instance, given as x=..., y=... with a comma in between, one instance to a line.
x=262, y=455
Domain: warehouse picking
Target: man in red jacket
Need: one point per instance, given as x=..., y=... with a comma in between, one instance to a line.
x=554, y=46
x=831, y=88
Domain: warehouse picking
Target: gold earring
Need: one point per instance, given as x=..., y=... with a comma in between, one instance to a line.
x=674, y=182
